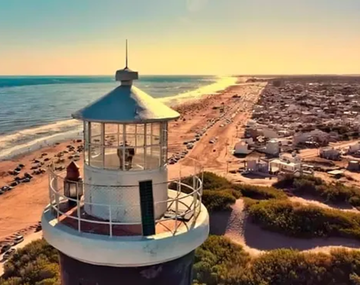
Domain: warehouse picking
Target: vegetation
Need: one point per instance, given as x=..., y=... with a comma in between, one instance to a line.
x=219, y=200
x=260, y=192
x=219, y=193
x=36, y=263
x=305, y=221
x=334, y=192
x=219, y=261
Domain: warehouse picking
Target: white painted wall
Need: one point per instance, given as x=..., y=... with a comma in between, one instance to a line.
x=124, y=201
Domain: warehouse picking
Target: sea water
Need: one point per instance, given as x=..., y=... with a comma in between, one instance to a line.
x=35, y=111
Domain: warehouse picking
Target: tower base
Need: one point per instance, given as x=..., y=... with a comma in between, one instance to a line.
x=175, y=272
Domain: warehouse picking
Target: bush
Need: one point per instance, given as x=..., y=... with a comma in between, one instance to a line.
x=36, y=263
x=260, y=192
x=219, y=261
x=304, y=221
x=334, y=192
x=211, y=181
x=219, y=200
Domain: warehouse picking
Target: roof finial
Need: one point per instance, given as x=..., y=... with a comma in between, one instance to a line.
x=126, y=53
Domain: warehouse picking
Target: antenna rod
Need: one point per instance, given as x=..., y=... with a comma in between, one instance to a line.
x=126, y=53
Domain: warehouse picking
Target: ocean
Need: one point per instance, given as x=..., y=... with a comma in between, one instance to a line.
x=36, y=110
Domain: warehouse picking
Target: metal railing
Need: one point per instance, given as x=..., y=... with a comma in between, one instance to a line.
x=182, y=206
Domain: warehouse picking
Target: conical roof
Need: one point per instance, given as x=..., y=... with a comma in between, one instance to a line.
x=126, y=104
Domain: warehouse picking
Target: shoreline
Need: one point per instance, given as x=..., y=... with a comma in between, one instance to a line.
x=21, y=208
x=58, y=135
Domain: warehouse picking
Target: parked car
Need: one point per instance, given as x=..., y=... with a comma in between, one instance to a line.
x=38, y=228
x=8, y=254
x=18, y=239
x=5, y=248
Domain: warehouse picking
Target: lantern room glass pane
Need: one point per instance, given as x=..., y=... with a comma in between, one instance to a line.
x=96, y=156
x=155, y=139
x=152, y=157
x=134, y=159
x=111, y=134
x=95, y=131
x=112, y=159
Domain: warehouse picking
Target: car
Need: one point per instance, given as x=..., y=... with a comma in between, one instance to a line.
x=38, y=228
x=5, y=248
x=18, y=239
x=190, y=146
x=9, y=253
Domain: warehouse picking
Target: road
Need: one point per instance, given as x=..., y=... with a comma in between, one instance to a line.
x=27, y=239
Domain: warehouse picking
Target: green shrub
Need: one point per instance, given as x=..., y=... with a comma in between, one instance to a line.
x=219, y=261
x=260, y=192
x=36, y=262
x=304, y=221
x=211, y=181
x=219, y=200
x=334, y=192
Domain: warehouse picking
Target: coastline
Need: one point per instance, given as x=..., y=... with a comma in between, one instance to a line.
x=22, y=206
x=26, y=141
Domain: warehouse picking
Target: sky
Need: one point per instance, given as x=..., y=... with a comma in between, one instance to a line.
x=217, y=37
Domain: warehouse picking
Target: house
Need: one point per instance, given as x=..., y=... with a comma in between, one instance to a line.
x=354, y=166
x=330, y=153
x=242, y=148
x=286, y=163
x=354, y=148
x=272, y=147
x=257, y=166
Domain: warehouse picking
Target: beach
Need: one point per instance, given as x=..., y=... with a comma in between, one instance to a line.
x=21, y=208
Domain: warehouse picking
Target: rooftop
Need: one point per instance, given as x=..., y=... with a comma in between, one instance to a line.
x=126, y=104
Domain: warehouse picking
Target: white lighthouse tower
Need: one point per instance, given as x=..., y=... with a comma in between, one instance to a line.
x=121, y=223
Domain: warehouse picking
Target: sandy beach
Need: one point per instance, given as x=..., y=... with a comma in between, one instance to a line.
x=21, y=208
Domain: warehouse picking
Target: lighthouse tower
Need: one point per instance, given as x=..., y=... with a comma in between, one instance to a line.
x=118, y=219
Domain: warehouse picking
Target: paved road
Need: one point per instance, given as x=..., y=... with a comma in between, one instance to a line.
x=27, y=239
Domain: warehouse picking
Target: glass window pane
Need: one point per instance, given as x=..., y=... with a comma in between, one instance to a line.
x=148, y=134
x=96, y=157
x=95, y=133
x=152, y=157
x=134, y=158
x=111, y=134
x=155, y=133
x=112, y=158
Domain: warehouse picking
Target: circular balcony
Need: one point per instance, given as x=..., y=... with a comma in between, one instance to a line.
x=182, y=206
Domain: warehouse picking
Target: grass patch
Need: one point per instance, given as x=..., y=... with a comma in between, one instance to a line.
x=295, y=219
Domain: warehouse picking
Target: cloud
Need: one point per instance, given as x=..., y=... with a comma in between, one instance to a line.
x=195, y=5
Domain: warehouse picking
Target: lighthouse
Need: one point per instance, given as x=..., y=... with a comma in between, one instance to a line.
x=117, y=218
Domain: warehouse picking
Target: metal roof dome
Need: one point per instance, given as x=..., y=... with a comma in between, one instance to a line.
x=126, y=104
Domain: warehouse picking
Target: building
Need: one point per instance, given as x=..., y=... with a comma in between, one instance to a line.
x=354, y=148
x=272, y=147
x=122, y=224
x=242, y=148
x=286, y=163
x=261, y=166
x=354, y=166
x=330, y=153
